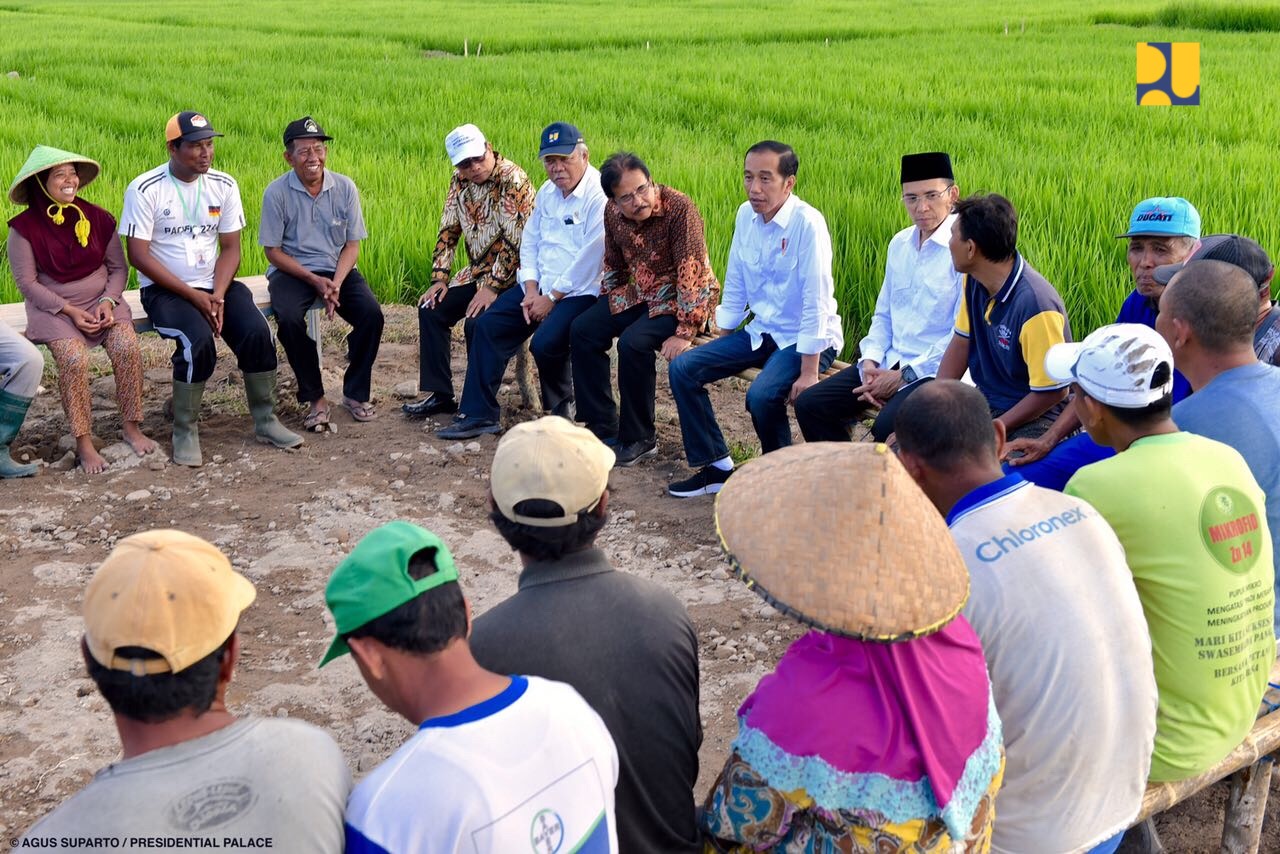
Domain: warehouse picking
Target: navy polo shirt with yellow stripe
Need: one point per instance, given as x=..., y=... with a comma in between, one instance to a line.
x=1010, y=333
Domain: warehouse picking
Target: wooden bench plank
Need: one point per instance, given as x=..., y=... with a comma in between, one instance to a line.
x=1249, y=767
x=751, y=373
x=15, y=314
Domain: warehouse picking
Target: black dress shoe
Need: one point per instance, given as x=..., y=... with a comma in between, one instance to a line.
x=432, y=404
x=633, y=452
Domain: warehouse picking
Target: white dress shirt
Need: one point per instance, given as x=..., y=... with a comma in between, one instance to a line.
x=781, y=271
x=562, y=247
x=916, y=309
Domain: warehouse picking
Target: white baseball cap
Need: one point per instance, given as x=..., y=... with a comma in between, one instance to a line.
x=463, y=143
x=1116, y=364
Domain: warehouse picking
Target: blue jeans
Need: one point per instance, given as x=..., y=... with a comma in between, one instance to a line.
x=496, y=336
x=1054, y=469
x=1107, y=846
x=766, y=398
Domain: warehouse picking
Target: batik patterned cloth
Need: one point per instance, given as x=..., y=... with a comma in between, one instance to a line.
x=857, y=746
x=661, y=261
x=489, y=218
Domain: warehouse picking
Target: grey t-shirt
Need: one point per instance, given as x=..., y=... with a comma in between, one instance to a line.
x=311, y=230
x=258, y=784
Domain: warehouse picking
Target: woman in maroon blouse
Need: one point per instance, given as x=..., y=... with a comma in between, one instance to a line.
x=67, y=262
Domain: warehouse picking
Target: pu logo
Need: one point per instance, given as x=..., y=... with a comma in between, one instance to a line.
x=1168, y=74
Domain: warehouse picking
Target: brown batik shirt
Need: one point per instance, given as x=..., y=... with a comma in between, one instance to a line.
x=489, y=218
x=662, y=261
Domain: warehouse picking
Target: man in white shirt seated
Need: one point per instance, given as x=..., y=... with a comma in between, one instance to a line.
x=913, y=319
x=499, y=763
x=779, y=271
x=561, y=250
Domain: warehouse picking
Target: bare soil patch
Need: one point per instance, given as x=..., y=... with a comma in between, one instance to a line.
x=287, y=518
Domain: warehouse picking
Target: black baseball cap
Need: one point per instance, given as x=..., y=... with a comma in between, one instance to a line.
x=304, y=128
x=1231, y=248
x=189, y=126
x=559, y=138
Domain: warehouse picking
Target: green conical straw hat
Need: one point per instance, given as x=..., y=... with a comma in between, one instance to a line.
x=45, y=157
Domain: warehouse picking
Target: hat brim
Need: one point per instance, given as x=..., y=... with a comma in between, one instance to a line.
x=337, y=649
x=197, y=136
x=840, y=538
x=88, y=174
x=1164, y=274
x=1060, y=361
x=1149, y=233
x=562, y=149
x=475, y=149
x=320, y=136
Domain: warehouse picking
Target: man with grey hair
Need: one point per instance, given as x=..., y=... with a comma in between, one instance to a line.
x=1207, y=314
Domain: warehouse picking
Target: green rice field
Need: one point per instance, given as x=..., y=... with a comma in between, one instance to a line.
x=1034, y=100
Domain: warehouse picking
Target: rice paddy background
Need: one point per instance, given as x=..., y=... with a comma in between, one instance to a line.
x=1033, y=100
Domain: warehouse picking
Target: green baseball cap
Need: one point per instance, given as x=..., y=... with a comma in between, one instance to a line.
x=374, y=579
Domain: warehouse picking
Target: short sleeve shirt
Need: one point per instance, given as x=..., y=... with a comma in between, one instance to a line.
x=182, y=221
x=1010, y=333
x=1193, y=524
x=259, y=784
x=311, y=230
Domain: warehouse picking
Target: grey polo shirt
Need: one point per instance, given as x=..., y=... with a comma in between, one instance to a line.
x=311, y=231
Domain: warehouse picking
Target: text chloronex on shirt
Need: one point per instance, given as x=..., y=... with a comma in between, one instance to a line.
x=531, y=769
x=1193, y=525
x=1079, y=715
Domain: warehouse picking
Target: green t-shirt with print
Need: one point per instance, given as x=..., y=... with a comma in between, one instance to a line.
x=1193, y=524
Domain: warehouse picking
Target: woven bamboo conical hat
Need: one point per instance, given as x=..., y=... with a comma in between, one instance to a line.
x=46, y=157
x=838, y=536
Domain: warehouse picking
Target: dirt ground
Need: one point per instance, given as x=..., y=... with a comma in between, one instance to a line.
x=287, y=518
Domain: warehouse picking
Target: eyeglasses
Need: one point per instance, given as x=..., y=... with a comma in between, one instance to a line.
x=912, y=199
x=317, y=150
x=632, y=196
x=471, y=162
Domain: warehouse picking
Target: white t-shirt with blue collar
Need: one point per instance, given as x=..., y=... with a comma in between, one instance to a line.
x=531, y=769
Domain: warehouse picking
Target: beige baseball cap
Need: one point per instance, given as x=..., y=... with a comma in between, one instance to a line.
x=165, y=591
x=554, y=460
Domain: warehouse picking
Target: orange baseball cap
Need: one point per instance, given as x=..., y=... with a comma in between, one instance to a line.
x=165, y=591
x=189, y=126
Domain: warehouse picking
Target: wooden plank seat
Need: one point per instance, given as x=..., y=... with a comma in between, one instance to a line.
x=15, y=314
x=1249, y=768
x=751, y=373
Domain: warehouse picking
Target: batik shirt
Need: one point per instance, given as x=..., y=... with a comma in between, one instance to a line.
x=662, y=262
x=489, y=218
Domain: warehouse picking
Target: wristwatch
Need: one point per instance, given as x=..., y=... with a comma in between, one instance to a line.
x=551, y=295
x=909, y=375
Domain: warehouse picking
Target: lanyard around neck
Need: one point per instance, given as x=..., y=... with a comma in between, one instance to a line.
x=182, y=200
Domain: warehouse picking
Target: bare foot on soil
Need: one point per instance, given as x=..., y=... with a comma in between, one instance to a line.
x=139, y=441
x=90, y=460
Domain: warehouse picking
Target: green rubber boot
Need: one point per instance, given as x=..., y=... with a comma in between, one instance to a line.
x=13, y=411
x=260, y=390
x=186, y=419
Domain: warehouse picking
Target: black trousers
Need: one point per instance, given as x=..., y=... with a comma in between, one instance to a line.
x=826, y=411
x=639, y=339
x=292, y=298
x=244, y=329
x=434, y=327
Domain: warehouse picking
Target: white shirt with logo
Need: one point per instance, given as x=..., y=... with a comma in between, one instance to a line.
x=182, y=221
x=562, y=246
x=532, y=769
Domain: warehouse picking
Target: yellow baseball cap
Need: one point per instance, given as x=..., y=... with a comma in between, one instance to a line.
x=164, y=591
x=554, y=460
